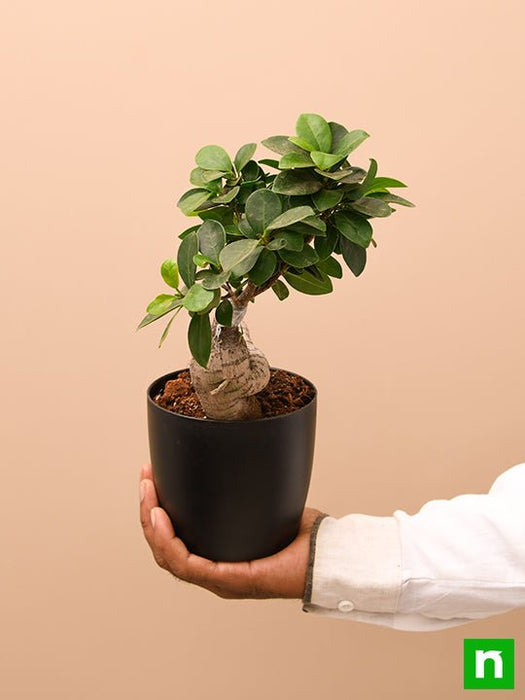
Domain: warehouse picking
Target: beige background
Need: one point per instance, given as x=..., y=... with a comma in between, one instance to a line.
x=419, y=363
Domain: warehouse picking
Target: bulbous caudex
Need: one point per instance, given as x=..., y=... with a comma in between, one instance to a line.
x=235, y=372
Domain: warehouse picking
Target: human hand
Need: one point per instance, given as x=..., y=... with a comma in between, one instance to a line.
x=282, y=575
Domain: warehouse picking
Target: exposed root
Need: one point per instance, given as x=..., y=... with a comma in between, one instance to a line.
x=236, y=371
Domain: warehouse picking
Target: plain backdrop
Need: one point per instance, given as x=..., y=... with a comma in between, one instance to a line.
x=418, y=362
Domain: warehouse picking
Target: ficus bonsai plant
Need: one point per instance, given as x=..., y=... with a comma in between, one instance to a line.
x=269, y=224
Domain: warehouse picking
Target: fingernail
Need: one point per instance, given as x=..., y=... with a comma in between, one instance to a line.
x=142, y=490
x=152, y=517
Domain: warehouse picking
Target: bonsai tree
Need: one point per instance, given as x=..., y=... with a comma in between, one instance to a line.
x=265, y=224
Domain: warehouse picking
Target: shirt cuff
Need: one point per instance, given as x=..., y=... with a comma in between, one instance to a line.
x=354, y=564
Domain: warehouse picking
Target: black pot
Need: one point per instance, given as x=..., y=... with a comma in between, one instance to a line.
x=234, y=490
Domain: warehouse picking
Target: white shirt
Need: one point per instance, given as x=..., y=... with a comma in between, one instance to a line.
x=454, y=561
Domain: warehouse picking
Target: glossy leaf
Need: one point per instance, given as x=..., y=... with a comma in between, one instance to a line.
x=187, y=231
x=326, y=199
x=224, y=313
x=213, y=280
x=393, y=199
x=371, y=206
x=287, y=239
x=262, y=207
x=280, y=290
x=350, y=141
x=382, y=183
x=149, y=318
x=246, y=265
x=325, y=161
x=300, y=258
x=213, y=158
x=338, y=133
x=199, y=338
x=236, y=253
x=280, y=144
x=325, y=245
x=354, y=228
x=331, y=266
x=168, y=326
x=187, y=249
x=227, y=197
x=192, y=200
x=244, y=155
x=346, y=175
x=354, y=255
x=289, y=217
x=161, y=304
x=296, y=160
x=296, y=182
x=246, y=229
x=315, y=131
x=270, y=161
x=307, y=283
x=212, y=239
x=197, y=298
x=201, y=178
x=264, y=267
x=170, y=272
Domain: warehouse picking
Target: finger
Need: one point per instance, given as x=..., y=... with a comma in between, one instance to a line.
x=146, y=471
x=167, y=545
x=148, y=497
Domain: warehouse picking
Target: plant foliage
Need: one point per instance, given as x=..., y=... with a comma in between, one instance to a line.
x=271, y=223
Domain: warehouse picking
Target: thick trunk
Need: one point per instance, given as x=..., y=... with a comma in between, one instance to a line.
x=236, y=371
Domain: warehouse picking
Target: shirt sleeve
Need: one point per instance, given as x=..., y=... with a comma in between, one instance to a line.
x=452, y=562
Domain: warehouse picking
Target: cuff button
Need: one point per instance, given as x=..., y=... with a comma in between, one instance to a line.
x=345, y=605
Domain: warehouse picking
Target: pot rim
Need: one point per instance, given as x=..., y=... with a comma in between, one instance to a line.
x=229, y=422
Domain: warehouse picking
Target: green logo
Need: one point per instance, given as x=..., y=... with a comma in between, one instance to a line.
x=488, y=663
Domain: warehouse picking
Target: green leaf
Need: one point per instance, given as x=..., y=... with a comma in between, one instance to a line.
x=189, y=230
x=287, y=239
x=280, y=144
x=192, y=200
x=346, y=175
x=187, y=249
x=370, y=177
x=201, y=260
x=313, y=222
x=262, y=207
x=289, y=217
x=251, y=172
x=354, y=255
x=296, y=160
x=263, y=268
x=244, y=155
x=212, y=280
x=199, y=338
x=201, y=178
x=350, y=141
x=331, y=266
x=382, y=183
x=161, y=304
x=246, y=265
x=326, y=199
x=307, y=283
x=246, y=229
x=393, y=199
x=224, y=313
x=149, y=318
x=371, y=206
x=325, y=245
x=235, y=254
x=338, y=133
x=227, y=196
x=315, y=131
x=212, y=239
x=270, y=161
x=280, y=289
x=324, y=161
x=197, y=298
x=166, y=330
x=354, y=228
x=296, y=182
x=213, y=158
x=303, y=258
x=220, y=213
x=170, y=272
x=302, y=144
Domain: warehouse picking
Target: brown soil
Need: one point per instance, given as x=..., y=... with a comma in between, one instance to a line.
x=284, y=393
